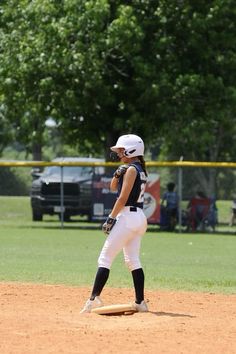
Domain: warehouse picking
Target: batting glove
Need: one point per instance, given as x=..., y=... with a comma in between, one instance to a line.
x=120, y=171
x=108, y=225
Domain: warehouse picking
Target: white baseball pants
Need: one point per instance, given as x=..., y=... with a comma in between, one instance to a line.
x=126, y=234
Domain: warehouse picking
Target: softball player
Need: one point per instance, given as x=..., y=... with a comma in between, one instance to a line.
x=126, y=223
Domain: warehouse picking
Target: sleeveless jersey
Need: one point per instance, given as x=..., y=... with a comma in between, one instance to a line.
x=136, y=197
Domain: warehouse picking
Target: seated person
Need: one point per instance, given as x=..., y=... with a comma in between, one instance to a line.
x=198, y=210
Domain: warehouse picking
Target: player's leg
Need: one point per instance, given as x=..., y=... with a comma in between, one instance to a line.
x=121, y=233
x=131, y=256
x=115, y=242
x=132, y=260
x=100, y=281
x=112, y=246
x=131, y=252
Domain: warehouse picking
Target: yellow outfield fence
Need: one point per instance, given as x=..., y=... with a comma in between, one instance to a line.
x=9, y=163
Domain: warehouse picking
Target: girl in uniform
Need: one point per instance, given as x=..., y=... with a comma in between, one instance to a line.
x=126, y=223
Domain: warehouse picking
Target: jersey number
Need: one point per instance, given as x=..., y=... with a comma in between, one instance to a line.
x=141, y=194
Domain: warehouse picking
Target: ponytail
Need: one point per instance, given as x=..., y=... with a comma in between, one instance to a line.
x=143, y=164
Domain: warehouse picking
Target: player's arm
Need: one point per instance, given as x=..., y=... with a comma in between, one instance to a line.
x=127, y=186
x=114, y=184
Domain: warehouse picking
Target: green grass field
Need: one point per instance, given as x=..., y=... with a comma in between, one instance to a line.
x=43, y=252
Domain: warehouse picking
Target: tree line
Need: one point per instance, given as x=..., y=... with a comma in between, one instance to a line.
x=163, y=69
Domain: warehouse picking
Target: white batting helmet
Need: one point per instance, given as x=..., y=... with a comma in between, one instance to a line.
x=132, y=144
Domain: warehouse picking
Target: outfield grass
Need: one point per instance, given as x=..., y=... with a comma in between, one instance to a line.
x=18, y=209
x=45, y=253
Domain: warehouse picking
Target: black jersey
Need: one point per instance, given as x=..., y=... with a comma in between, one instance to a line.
x=136, y=196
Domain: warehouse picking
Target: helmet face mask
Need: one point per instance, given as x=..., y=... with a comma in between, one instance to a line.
x=132, y=144
x=114, y=157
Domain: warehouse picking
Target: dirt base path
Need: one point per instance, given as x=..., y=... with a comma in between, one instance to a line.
x=45, y=319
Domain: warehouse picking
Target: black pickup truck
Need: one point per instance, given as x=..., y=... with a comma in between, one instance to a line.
x=77, y=189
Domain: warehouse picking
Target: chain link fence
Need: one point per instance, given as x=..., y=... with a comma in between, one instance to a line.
x=215, y=182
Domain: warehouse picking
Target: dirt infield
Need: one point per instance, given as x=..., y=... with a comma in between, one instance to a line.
x=45, y=319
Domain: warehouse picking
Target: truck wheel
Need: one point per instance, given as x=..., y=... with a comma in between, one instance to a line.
x=37, y=215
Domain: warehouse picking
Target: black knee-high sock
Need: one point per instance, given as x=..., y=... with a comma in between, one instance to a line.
x=138, y=279
x=100, y=280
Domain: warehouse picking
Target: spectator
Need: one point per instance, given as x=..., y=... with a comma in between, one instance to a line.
x=233, y=213
x=170, y=203
x=202, y=212
x=197, y=210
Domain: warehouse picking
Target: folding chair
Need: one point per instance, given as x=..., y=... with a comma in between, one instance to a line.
x=199, y=212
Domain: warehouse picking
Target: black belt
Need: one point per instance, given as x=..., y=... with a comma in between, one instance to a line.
x=132, y=208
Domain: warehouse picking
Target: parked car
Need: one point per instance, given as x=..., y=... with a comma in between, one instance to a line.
x=77, y=189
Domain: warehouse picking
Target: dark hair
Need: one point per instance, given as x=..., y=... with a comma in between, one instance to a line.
x=171, y=186
x=201, y=194
x=143, y=164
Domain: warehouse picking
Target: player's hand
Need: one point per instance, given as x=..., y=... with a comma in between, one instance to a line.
x=121, y=170
x=108, y=225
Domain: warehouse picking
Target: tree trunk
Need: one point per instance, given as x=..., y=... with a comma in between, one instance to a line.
x=37, y=151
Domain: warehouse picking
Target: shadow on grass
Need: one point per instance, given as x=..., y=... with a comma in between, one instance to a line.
x=218, y=231
x=82, y=225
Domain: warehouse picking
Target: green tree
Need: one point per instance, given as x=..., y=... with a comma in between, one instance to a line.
x=81, y=63
x=162, y=69
x=22, y=75
x=198, y=52
x=199, y=56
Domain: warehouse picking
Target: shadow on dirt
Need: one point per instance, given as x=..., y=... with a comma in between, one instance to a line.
x=170, y=314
